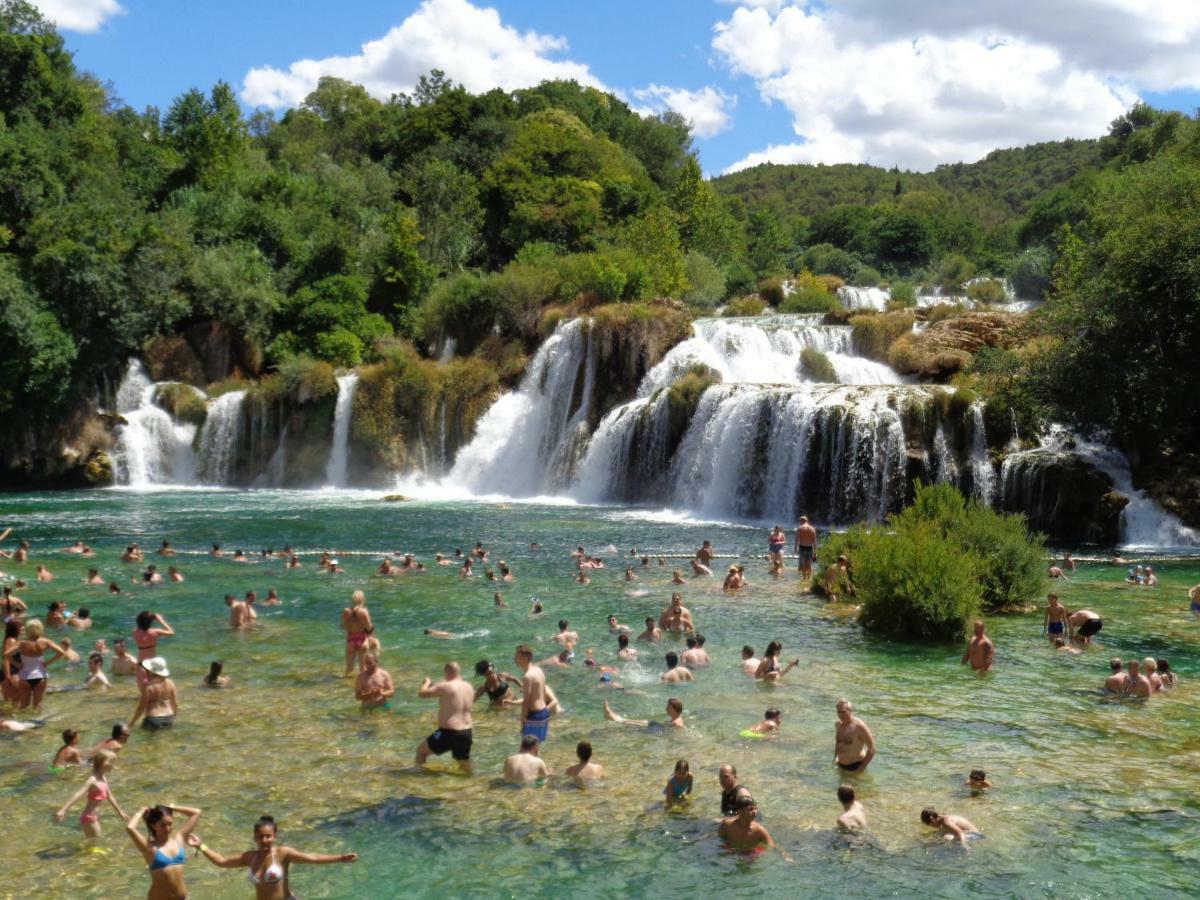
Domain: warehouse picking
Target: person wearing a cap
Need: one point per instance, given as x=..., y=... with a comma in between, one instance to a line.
x=158, y=702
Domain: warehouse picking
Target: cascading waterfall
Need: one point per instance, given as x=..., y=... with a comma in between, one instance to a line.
x=219, y=439
x=525, y=443
x=151, y=449
x=983, y=475
x=864, y=297
x=339, y=451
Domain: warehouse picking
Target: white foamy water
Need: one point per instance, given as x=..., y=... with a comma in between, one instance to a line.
x=151, y=448
x=339, y=449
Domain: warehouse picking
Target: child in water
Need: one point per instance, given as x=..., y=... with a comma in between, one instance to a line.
x=679, y=785
x=977, y=781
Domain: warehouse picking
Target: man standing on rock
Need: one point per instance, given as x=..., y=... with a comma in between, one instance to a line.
x=455, y=699
x=980, y=650
x=806, y=547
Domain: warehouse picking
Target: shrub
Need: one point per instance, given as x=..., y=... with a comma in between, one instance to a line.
x=340, y=346
x=904, y=293
x=874, y=335
x=914, y=584
x=707, y=282
x=739, y=279
x=830, y=283
x=684, y=395
x=182, y=401
x=464, y=307
x=867, y=276
x=816, y=366
x=943, y=311
x=771, y=290
x=809, y=300
x=953, y=271
x=1031, y=273
x=987, y=290
x=745, y=306
x=306, y=380
x=826, y=259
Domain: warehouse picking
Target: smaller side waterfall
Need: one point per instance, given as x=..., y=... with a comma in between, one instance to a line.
x=219, y=439
x=864, y=298
x=151, y=448
x=339, y=452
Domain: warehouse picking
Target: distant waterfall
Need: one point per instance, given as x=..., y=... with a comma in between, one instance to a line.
x=339, y=451
x=525, y=443
x=219, y=439
x=151, y=449
x=864, y=298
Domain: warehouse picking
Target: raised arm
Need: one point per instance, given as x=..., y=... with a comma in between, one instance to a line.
x=139, y=839
x=291, y=854
x=428, y=690
x=193, y=816
x=223, y=862
x=166, y=630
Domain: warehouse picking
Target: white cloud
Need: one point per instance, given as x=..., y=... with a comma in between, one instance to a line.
x=78, y=15
x=926, y=82
x=469, y=43
x=707, y=110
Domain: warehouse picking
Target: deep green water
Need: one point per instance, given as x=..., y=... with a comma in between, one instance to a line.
x=1093, y=797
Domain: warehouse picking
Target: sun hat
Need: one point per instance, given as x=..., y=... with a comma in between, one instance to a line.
x=156, y=665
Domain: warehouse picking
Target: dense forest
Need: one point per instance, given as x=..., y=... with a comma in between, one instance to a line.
x=354, y=230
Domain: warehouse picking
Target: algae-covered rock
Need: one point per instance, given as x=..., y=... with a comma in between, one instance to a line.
x=395, y=498
x=947, y=346
x=98, y=470
x=182, y=401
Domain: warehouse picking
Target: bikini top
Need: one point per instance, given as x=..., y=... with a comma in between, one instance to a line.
x=272, y=875
x=98, y=793
x=162, y=861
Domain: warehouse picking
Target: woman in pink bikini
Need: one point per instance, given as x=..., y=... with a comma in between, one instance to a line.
x=146, y=636
x=97, y=791
x=355, y=622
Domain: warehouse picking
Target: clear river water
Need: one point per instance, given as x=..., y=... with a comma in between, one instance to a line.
x=1092, y=797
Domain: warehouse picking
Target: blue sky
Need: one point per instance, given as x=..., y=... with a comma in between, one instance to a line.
x=913, y=84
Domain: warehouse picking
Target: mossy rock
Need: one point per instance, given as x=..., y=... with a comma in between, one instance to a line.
x=172, y=359
x=182, y=401
x=815, y=366
x=752, y=305
x=948, y=346
x=395, y=498
x=874, y=335
x=98, y=469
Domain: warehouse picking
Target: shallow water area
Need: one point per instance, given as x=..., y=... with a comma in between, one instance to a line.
x=1092, y=797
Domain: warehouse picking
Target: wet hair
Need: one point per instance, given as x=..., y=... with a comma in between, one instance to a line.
x=100, y=758
x=145, y=619
x=153, y=816
x=114, y=588
x=33, y=629
x=676, y=704
x=772, y=713
x=978, y=775
x=118, y=731
x=1149, y=666
x=1164, y=667
x=1059, y=642
x=747, y=651
x=622, y=640
x=83, y=613
x=773, y=648
x=650, y=621
x=744, y=801
x=1115, y=664
x=691, y=641
x=1052, y=596
x=525, y=650
x=216, y=546
x=214, y=670
x=928, y=815
x=96, y=657
x=583, y=750
x=700, y=640
x=845, y=793
x=12, y=629
x=672, y=660
x=69, y=734
x=481, y=667
x=528, y=742
x=562, y=624
x=264, y=822
x=682, y=765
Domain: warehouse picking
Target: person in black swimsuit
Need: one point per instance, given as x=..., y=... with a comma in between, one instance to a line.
x=497, y=685
x=730, y=789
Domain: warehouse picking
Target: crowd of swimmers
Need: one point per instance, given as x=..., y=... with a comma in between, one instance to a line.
x=28, y=653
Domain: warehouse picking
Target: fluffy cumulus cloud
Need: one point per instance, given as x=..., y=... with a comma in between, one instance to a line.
x=708, y=110
x=78, y=15
x=926, y=82
x=469, y=43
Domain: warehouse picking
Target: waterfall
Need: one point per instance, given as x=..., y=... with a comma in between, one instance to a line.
x=983, y=476
x=526, y=442
x=150, y=447
x=339, y=450
x=864, y=298
x=219, y=439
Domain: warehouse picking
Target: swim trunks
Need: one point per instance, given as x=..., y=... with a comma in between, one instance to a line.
x=806, y=554
x=458, y=742
x=538, y=724
x=1055, y=627
x=775, y=548
x=852, y=767
x=156, y=723
x=1090, y=627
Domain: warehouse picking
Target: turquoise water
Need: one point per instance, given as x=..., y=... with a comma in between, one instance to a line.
x=1093, y=797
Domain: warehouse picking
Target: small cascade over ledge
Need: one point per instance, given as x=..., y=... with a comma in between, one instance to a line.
x=219, y=439
x=339, y=451
x=151, y=448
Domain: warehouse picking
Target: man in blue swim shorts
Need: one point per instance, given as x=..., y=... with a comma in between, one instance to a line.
x=535, y=712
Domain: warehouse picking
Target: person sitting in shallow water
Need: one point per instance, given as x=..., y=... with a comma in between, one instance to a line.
x=957, y=828
x=977, y=780
x=214, y=678
x=526, y=766
x=585, y=769
x=674, y=716
x=853, y=818
x=679, y=785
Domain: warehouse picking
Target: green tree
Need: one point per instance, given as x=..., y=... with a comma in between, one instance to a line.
x=765, y=244
x=449, y=213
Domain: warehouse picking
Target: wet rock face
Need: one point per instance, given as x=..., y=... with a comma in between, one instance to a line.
x=173, y=359
x=1174, y=482
x=1067, y=499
